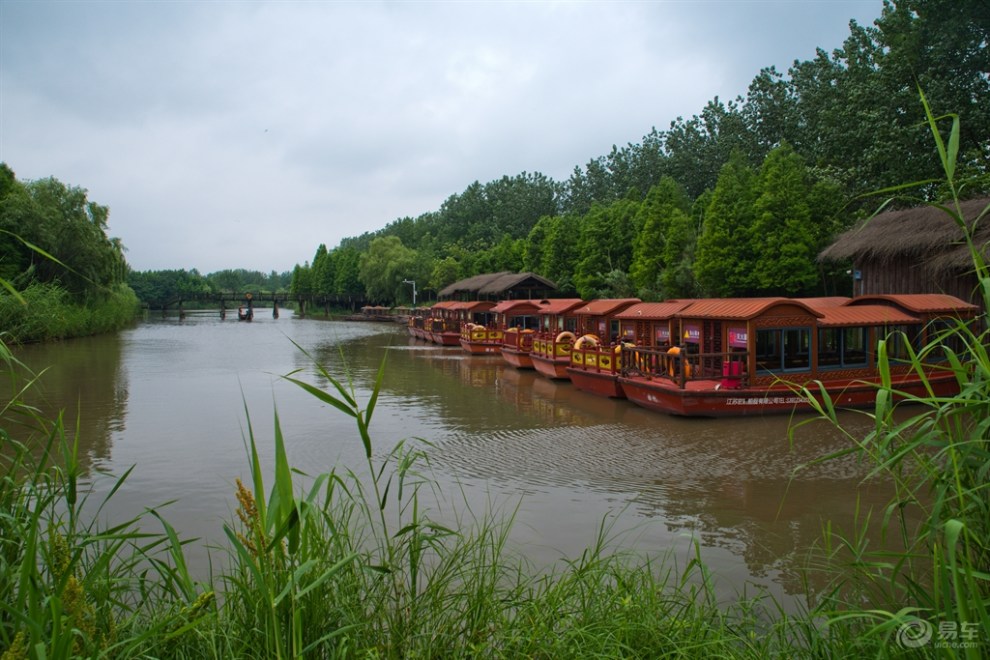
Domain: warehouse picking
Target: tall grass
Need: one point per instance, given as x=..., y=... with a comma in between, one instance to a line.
x=45, y=311
x=933, y=594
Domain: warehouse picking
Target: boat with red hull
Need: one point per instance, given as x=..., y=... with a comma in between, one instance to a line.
x=519, y=320
x=755, y=356
x=552, y=355
x=596, y=368
x=551, y=350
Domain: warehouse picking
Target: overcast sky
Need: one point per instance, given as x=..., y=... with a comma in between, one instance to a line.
x=242, y=134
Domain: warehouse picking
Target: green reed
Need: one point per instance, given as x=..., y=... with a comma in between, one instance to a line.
x=937, y=456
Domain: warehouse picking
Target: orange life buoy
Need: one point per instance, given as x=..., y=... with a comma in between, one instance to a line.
x=564, y=335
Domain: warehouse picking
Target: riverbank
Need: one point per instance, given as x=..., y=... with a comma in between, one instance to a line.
x=47, y=312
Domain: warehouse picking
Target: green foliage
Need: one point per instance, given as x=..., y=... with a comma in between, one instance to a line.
x=383, y=267
x=662, y=238
x=783, y=236
x=45, y=312
x=605, y=245
x=936, y=454
x=725, y=259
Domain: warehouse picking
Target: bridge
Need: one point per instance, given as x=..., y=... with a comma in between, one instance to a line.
x=229, y=299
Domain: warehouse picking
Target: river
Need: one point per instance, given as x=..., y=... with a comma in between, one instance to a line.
x=171, y=398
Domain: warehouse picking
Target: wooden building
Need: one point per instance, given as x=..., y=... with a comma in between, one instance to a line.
x=916, y=250
x=500, y=286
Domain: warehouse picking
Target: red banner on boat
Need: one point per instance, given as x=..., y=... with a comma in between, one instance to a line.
x=738, y=338
x=663, y=335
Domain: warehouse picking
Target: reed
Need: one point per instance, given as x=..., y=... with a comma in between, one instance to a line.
x=931, y=594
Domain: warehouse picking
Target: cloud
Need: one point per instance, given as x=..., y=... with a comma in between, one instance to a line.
x=243, y=134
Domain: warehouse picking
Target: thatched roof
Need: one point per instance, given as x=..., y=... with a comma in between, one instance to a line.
x=496, y=284
x=925, y=233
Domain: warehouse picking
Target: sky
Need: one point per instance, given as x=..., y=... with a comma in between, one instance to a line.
x=243, y=134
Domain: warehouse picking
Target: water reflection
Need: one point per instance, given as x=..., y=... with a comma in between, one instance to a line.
x=84, y=381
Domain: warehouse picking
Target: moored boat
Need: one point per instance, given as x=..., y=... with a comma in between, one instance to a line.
x=519, y=320
x=596, y=318
x=443, y=326
x=596, y=368
x=752, y=356
x=551, y=350
x=478, y=334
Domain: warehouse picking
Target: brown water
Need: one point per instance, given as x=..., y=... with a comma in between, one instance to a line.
x=169, y=398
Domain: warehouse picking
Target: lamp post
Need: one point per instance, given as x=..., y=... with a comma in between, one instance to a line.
x=414, y=289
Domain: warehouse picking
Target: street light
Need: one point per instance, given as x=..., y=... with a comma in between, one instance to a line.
x=414, y=289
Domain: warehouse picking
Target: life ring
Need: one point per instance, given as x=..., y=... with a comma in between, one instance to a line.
x=592, y=340
x=565, y=335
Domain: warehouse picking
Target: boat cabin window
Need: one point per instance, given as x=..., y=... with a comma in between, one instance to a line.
x=945, y=333
x=783, y=349
x=842, y=347
x=898, y=338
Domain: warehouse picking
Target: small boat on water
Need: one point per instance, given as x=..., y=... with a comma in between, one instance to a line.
x=519, y=320
x=732, y=357
x=596, y=367
x=552, y=355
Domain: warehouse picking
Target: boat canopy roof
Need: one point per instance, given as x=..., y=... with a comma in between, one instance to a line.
x=740, y=309
x=858, y=315
x=559, y=305
x=516, y=307
x=653, y=311
x=606, y=306
x=919, y=303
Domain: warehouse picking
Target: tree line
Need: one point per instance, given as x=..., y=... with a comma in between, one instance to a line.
x=736, y=200
x=168, y=286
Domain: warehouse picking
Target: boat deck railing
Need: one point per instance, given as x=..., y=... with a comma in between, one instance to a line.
x=680, y=366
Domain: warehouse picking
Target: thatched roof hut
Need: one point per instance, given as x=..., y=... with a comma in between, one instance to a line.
x=504, y=284
x=916, y=250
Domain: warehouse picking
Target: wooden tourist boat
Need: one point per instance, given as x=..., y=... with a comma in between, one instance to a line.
x=478, y=332
x=416, y=325
x=519, y=320
x=444, y=326
x=595, y=368
x=749, y=356
x=596, y=318
x=552, y=344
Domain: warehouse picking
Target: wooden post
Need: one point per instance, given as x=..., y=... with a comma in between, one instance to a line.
x=274, y=308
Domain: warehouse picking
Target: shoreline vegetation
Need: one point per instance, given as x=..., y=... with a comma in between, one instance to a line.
x=353, y=566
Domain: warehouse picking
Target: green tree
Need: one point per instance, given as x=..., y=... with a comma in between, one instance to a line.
x=782, y=227
x=725, y=254
x=383, y=267
x=655, y=215
x=347, y=280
